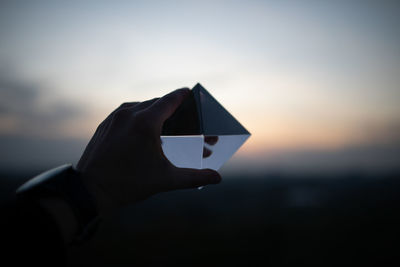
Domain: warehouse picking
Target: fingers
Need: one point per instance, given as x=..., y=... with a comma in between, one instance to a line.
x=192, y=178
x=128, y=105
x=206, y=152
x=211, y=139
x=166, y=106
x=144, y=104
x=125, y=111
x=122, y=106
x=135, y=106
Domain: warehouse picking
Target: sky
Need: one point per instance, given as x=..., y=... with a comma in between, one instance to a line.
x=317, y=83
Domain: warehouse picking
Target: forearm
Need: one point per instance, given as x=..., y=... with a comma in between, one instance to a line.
x=61, y=193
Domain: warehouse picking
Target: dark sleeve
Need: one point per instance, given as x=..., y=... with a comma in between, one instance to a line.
x=33, y=235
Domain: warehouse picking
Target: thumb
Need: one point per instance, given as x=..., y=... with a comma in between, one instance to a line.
x=164, y=107
x=192, y=178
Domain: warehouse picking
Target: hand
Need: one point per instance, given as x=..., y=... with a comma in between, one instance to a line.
x=124, y=162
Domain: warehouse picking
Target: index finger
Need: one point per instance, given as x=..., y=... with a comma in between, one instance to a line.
x=163, y=108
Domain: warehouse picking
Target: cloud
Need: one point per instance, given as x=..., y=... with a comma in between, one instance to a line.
x=31, y=108
x=366, y=159
x=25, y=153
x=16, y=95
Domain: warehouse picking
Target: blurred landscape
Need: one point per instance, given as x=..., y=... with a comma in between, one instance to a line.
x=258, y=220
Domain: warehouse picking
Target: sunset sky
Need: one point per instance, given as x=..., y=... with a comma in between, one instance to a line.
x=311, y=80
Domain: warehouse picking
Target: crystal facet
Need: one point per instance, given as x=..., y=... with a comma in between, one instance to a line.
x=201, y=133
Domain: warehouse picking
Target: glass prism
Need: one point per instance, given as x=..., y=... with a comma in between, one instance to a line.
x=201, y=133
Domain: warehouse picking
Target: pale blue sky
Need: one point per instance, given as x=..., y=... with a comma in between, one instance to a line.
x=299, y=75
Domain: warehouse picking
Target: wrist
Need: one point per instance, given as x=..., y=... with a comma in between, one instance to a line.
x=63, y=215
x=102, y=201
x=64, y=183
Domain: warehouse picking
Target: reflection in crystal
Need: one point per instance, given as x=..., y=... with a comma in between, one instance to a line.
x=184, y=151
x=223, y=150
x=199, y=151
x=210, y=140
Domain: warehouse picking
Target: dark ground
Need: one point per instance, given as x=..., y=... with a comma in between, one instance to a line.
x=269, y=220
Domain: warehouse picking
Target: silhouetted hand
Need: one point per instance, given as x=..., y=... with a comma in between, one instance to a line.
x=124, y=162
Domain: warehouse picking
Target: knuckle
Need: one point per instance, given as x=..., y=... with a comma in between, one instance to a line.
x=101, y=126
x=143, y=120
x=127, y=104
x=151, y=100
x=121, y=115
x=123, y=105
